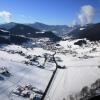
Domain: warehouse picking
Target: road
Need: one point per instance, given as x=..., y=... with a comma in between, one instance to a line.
x=57, y=88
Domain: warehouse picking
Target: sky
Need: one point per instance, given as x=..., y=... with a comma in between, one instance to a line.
x=53, y=12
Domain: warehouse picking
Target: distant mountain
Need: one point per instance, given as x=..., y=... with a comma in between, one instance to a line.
x=21, y=29
x=91, y=32
x=7, y=38
x=8, y=26
x=18, y=33
x=4, y=36
x=57, y=29
x=25, y=31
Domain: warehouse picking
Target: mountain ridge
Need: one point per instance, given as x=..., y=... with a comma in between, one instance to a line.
x=91, y=32
x=57, y=29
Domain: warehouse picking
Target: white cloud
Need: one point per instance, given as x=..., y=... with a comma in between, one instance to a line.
x=86, y=14
x=6, y=16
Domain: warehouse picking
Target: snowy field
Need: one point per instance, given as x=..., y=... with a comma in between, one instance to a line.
x=21, y=74
x=81, y=69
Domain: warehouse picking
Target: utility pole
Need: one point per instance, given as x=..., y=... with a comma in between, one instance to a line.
x=52, y=77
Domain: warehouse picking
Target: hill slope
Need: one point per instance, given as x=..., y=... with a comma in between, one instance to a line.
x=58, y=29
x=91, y=32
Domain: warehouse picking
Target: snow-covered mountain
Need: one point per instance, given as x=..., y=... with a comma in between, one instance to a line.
x=90, y=32
x=19, y=33
x=58, y=29
x=7, y=38
x=25, y=30
x=8, y=26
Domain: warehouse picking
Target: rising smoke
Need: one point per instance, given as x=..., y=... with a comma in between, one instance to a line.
x=86, y=15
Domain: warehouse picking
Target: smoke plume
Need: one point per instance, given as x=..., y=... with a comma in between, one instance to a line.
x=86, y=15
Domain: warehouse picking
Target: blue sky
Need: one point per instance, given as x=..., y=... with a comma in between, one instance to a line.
x=47, y=11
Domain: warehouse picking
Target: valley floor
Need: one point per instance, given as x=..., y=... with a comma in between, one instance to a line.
x=82, y=69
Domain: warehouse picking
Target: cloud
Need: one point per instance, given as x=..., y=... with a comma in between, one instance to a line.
x=86, y=15
x=6, y=16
